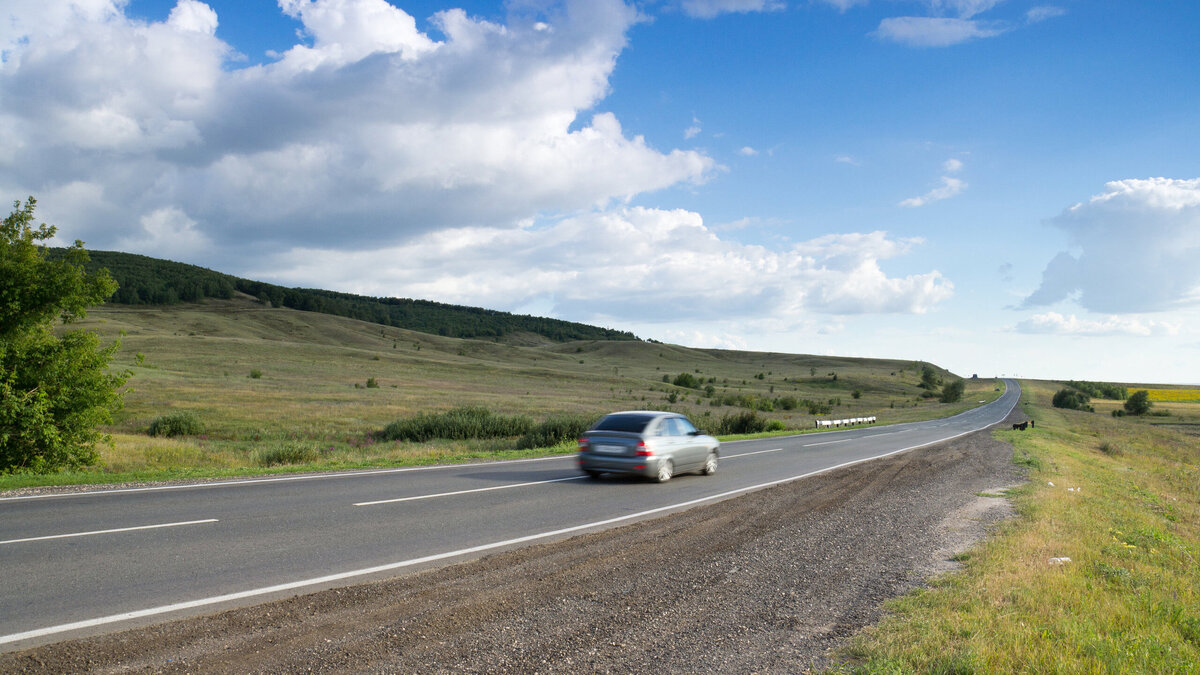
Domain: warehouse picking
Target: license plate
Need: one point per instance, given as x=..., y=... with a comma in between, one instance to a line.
x=609, y=449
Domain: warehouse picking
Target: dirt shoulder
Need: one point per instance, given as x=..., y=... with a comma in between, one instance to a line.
x=767, y=582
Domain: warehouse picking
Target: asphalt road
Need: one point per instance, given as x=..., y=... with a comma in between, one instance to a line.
x=93, y=562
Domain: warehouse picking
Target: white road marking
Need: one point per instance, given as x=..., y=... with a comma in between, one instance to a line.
x=342, y=576
x=463, y=492
x=843, y=440
x=112, y=531
x=747, y=454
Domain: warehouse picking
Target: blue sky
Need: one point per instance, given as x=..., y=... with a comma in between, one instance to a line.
x=997, y=186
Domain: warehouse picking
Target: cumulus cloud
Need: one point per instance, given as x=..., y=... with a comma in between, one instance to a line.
x=1133, y=249
x=707, y=9
x=632, y=264
x=747, y=151
x=366, y=133
x=949, y=187
x=1053, y=323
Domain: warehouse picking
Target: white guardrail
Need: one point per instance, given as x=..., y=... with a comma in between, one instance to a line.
x=846, y=422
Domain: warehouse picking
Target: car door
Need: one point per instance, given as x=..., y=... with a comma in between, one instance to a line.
x=690, y=444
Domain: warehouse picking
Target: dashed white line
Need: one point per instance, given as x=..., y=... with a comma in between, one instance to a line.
x=463, y=492
x=112, y=531
x=756, y=452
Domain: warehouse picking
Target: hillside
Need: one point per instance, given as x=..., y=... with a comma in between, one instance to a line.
x=151, y=281
x=272, y=386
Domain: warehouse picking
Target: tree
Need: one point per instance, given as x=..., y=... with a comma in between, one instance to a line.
x=929, y=377
x=54, y=390
x=1138, y=403
x=952, y=391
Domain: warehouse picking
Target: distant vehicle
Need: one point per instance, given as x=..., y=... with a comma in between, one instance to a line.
x=657, y=445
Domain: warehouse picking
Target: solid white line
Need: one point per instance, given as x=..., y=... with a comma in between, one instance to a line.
x=756, y=452
x=119, y=529
x=463, y=492
x=342, y=576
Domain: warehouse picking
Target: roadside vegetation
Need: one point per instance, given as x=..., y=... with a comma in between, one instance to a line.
x=1099, y=572
x=234, y=387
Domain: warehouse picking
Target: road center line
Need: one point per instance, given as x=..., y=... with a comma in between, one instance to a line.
x=112, y=531
x=756, y=452
x=341, y=576
x=463, y=492
x=844, y=440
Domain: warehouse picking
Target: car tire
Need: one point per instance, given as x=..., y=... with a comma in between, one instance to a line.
x=666, y=469
x=592, y=474
x=710, y=465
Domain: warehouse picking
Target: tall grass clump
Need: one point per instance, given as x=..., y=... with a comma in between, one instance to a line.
x=458, y=424
x=176, y=424
x=555, y=430
x=286, y=453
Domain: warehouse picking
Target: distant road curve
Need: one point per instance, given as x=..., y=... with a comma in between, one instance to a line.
x=93, y=562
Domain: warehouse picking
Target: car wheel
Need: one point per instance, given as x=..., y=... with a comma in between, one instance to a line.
x=665, y=470
x=592, y=474
x=710, y=464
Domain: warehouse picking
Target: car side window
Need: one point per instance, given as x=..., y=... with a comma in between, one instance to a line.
x=672, y=427
x=685, y=427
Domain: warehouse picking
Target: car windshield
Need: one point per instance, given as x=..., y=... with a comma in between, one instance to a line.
x=630, y=422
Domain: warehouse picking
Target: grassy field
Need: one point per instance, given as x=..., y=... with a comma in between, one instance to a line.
x=1119, y=497
x=282, y=390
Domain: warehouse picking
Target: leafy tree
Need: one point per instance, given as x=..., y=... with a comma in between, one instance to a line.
x=952, y=391
x=54, y=390
x=1138, y=403
x=929, y=378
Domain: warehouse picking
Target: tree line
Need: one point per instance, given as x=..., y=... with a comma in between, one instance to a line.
x=143, y=280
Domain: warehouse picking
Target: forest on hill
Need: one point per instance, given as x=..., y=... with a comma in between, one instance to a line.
x=144, y=280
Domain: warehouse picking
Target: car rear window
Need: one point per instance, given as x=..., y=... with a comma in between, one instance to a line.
x=630, y=422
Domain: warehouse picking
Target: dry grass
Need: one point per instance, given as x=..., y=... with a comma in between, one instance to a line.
x=1127, y=602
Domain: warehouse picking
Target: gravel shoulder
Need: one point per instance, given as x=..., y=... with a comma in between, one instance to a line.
x=769, y=582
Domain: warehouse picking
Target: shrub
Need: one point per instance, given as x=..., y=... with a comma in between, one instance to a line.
x=176, y=424
x=371, y=383
x=555, y=430
x=1111, y=449
x=288, y=453
x=1072, y=399
x=745, y=422
x=687, y=380
x=952, y=391
x=457, y=424
x=255, y=374
x=776, y=425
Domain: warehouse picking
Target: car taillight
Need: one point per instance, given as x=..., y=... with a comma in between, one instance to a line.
x=583, y=444
x=642, y=450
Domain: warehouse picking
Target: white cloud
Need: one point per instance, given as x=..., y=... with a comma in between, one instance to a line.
x=369, y=135
x=692, y=131
x=707, y=9
x=934, y=31
x=747, y=151
x=844, y=5
x=1053, y=323
x=1133, y=249
x=631, y=264
x=1038, y=14
x=846, y=159
x=166, y=233
x=950, y=186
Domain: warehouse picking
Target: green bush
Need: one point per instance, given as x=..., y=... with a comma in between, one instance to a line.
x=687, y=380
x=952, y=392
x=745, y=422
x=371, y=383
x=255, y=374
x=176, y=424
x=1072, y=399
x=555, y=430
x=776, y=425
x=457, y=424
x=1139, y=403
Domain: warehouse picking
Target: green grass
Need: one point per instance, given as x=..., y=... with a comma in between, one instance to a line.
x=312, y=368
x=1129, y=600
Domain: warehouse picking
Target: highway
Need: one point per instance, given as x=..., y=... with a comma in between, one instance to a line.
x=99, y=561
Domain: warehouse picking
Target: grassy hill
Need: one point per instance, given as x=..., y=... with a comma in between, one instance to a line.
x=151, y=281
x=274, y=386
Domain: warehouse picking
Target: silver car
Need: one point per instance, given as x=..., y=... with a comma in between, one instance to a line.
x=646, y=443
